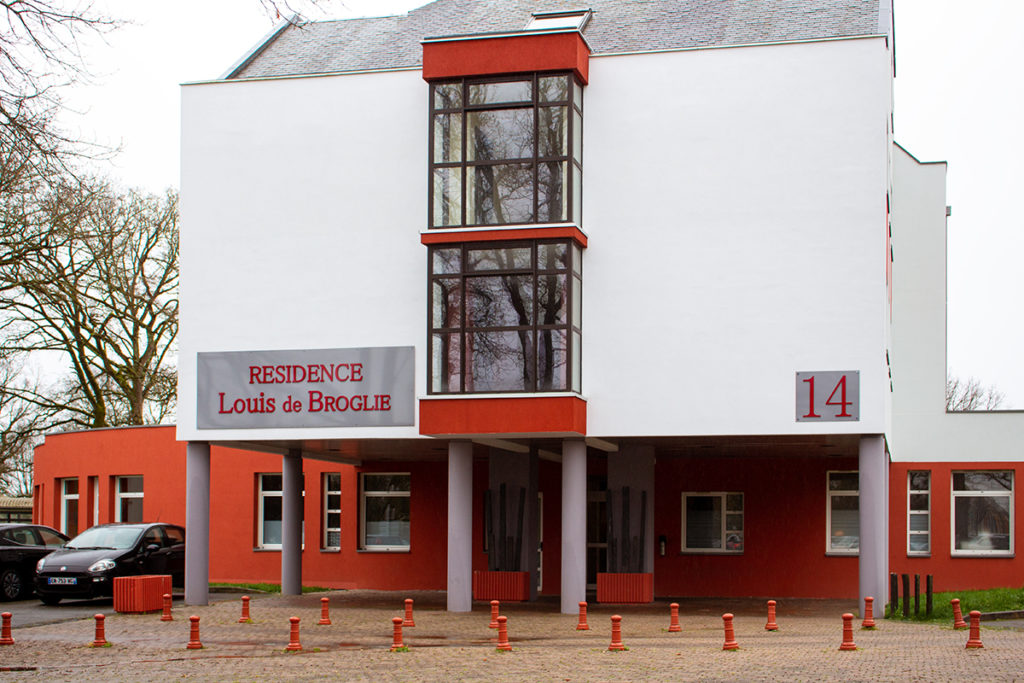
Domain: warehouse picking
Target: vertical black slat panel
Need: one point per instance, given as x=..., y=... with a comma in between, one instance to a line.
x=626, y=559
x=917, y=594
x=517, y=556
x=928, y=595
x=906, y=595
x=489, y=530
x=612, y=552
x=502, y=528
x=894, y=594
x=641, y=552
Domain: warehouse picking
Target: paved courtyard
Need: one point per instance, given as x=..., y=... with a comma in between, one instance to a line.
x=547, y=646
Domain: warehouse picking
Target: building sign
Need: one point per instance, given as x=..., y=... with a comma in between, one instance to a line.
x=373, y=387
x=828, y=396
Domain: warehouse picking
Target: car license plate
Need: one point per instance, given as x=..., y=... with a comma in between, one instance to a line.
x=62, y=580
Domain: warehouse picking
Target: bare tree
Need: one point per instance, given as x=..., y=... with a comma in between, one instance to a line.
x=969, y=394
x=19, y=426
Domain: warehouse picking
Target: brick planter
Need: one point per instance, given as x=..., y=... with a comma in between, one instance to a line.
x=506, y=586
x=625, y=588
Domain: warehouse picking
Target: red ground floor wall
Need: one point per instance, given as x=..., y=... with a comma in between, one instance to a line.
x=785, y=501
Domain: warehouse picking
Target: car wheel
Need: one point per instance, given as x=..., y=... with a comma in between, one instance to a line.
x=12, y=586
x=50, y=599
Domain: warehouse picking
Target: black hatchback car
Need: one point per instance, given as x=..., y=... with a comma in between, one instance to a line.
x=21, y=547
x=88, y=564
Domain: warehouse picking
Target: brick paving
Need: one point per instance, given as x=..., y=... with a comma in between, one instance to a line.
x=446, y=646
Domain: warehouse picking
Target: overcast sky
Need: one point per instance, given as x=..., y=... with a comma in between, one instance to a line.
x=958, y=99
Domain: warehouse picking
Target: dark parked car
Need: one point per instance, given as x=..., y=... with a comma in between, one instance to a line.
x=21, y=546
x=88, y=564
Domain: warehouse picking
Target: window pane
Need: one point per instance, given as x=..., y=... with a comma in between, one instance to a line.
x=130, y=484
x=577, y=366
x=447, y=138
x=734, y=503
x=508, y=91
x=501, y=194
x=387, y=521
x=386, y=482
x=334, y=519
x=499, y=301
x=334, y=482
x=919, y=481
x=551, y=360
x=447, y=196
x=577, y=302
x=982, y=523
x=446, y=261
x=447, y=303
x=919, y=522
x=448, y=96
x=553, y=88
x=509, y=258
x=500, y=134
x=334, y=501
x=842, y=481
x=734, y=540
x=446, y=362
x=918, y=543
x=271, y=520
x=553, y=132
x=552, y=299
x=577, y=195
x=845, y=531
x=131, y=510
x=577, y=94
x=498, y=361
x=552, y=191
x=71, y=517
x=70, y=487
x=919, y=501
x=704, y=522
x=554, y=256
x=983, y=481
x=270, y=482
x=333, y=539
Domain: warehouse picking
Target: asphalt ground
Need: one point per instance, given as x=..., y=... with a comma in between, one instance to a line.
x=546, y=645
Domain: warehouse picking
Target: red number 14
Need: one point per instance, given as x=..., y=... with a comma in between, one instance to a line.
x=839, y=388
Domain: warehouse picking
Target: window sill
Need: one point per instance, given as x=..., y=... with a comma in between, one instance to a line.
x=710, y=551
x=384, y=550
x=834, y=553
x=330, y=550
x=982, y=556
x=921, y=556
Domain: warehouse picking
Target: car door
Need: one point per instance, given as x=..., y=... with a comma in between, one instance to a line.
x=176, y=553
x=153, y=560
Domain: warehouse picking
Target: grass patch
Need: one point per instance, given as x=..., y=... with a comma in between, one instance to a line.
x=992, y=600
x=266, y=587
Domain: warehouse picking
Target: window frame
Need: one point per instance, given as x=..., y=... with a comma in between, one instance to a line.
x=573, y=104
x=120, y=495
x=829, y=494
x=261, y=495
x=571, y=326
x=364, y=494
x=927, y=514
x=723, y=531
x=66, y=498
x=327, y=492
x=954, y=494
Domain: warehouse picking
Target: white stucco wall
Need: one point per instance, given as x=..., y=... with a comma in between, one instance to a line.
x=922, y=429
x=734, y=200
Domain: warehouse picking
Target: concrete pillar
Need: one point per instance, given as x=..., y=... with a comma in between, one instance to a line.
x=291, y=523
x=574, y=525
x=460, y=526
x=197, y=523
x=874, y=528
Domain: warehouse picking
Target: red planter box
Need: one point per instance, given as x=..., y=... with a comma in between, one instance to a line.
x=509, y=586
x=625, y=588
x=137, y=594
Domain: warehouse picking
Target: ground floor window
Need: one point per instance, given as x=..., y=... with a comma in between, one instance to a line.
x=332, y=511
x=919, y=486
x=69, y=506
x=843, y=513
x=982, y=516
x=384, y=511
x=713, y=522
x=128, y=503
x=269, y=513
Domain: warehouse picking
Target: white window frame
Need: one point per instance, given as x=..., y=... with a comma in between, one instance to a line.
x=723, y=531
x=927, y=514
x=65, y=498
x=829, y=494
x=327, y=492
x=363, y=495
x=261, y=495
x=119, y=494
x=954, y=494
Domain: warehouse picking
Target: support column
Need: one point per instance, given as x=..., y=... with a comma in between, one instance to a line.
x=874, y=528
x=574, y=525
x=460, y=526
x=291, y=523
x=197, y=521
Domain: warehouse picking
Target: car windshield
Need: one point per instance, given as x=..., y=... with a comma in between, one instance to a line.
x=114, y=537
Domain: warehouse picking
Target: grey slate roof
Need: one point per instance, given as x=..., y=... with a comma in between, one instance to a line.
x=616, y=26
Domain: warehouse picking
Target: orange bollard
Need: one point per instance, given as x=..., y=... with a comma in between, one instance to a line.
x=166, y=616
x=581, y=624
x=847, y=643
x=193, y=634
x=958, y=617
x=245, y=619
x=730, y=634
x=408, y=613
x=673, y=624
x=771, y=625
x=616, y=644
x=974, y=638
x=5, y=629
x=503, y=644
x=293, y=636
x=494, y=614
x=397, y=643
x=101, y=638
x=325, y=612
x=869, y=614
